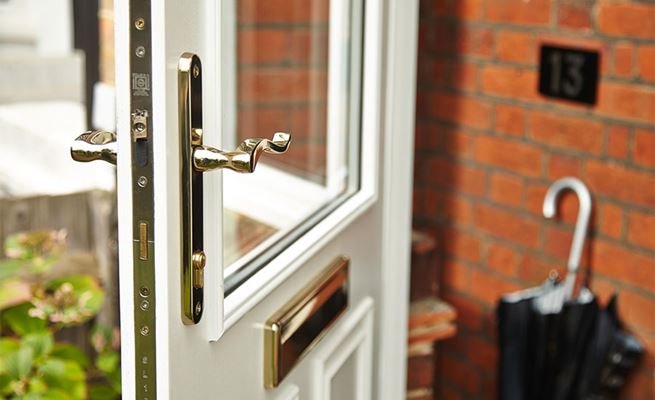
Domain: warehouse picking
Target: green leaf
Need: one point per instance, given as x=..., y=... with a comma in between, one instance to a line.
x=5, y=380
x=29, y=396
x=108, y=362
x=20, y=322
x=65, y=375
x=55, y=394
x=58, y=372
x=13, y=291
x=101, y=392
x=19, y=363
x=9, y=268
x=8, y=345
x=37, y=386
x=69, y=352
x=40, y=343
x=15, y=246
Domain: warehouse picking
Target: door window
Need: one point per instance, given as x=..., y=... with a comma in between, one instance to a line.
x=297, y=70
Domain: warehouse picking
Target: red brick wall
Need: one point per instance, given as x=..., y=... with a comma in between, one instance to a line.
x=488, y=145
x=282, y=78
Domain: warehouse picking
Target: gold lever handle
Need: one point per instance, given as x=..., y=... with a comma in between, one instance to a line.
x=244, y=158
x=95, y=145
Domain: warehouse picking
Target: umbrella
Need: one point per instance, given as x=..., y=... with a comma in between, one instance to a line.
x=555, y=345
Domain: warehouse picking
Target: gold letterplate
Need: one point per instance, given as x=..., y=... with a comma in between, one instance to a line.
x=299, y=325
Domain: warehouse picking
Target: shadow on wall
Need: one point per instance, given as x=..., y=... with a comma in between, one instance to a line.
x=488, y=146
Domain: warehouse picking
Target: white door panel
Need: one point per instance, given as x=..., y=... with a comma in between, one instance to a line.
x=222, y=357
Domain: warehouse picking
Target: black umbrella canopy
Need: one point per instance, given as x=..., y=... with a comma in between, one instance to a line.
x=557, y=346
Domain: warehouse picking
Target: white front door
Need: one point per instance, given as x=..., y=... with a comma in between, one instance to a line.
x=303, y=294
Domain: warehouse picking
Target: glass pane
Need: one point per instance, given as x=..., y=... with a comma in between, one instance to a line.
x=297, y=71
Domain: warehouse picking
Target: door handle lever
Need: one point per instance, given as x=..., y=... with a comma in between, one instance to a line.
x=195, y=159
x=95, y=145
x=244, y=158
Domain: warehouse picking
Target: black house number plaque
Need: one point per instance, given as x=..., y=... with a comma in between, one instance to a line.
x=568, y=73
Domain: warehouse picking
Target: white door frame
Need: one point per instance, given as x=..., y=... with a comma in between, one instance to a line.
x=398, y=168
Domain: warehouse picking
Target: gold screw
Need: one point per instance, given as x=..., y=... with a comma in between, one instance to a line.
x=140, y=23
x=144, y=291
x=196, y=71
x=145, y=330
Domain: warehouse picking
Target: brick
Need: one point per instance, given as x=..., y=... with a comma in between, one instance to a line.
x=257, y=46
x=460, y=244
x=466, y=111
x=515, y=47
x=510, y=119
x=534, y=270
x=460, y=374
x=557, y=243
x=647, y=63
x=641, y=229
x=516, y=157
x=432, y=203
x=617, y=142
x=471, y=180
x=506, y=225
x=482, y=353
x=456, y=276
x=502, y=259
x=433, y=71
x=565, y=132
x=282, y=85
x=506, y=189
x=535, y=12
x=560, y=166
x=567, y=208
x=621, y=183
x=420, y=371
x=252, y=120
x=474, y=41
x=621, y=264
x=611, y=220
x=489, y=288
x=624, y=60
x=534, y=198
x=457, y=143
x=457, y=209
x=640, y=386
x=468, y=10
x=575, y=14
x=287, y=11
x=469, y=312
x=437, y=8
x=309, y=46
x=310, y=122
x=638, y=310
x=465, y=76
x=490, y=386
x=627, y=19
x=643, y=152
x=440, y=38
x=446, y=392
x=418, y=194
x=510, y=82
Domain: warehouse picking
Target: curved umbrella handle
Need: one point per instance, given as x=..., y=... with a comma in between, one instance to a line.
x=582, y=223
